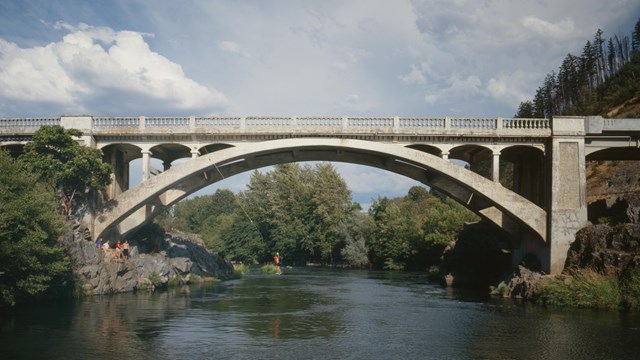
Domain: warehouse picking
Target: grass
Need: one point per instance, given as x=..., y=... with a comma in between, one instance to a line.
x=581, y=289
x=269, y=269
x=239, y=270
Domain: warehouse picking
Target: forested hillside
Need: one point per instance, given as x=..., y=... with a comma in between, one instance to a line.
x=603, y=80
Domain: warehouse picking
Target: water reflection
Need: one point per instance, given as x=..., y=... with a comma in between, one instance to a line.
x=285, y=307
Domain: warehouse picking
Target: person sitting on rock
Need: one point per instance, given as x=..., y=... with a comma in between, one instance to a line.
x=106, y=248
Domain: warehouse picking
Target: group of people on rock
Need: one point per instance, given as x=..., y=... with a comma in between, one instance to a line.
x=120, y=251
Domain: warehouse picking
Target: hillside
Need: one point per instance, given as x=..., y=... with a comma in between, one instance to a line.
x=619, y=97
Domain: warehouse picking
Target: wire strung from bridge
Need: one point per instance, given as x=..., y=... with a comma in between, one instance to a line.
x=240, y=203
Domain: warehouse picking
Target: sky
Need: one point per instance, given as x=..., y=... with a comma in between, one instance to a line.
x=455, y=58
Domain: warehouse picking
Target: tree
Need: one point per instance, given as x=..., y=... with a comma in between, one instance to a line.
x=69, y=168
x=525, y=110
x=635, y=38
x=192, y=214
x=355, y=251
x=31, y=260
x=391, y=237
x=299, y=211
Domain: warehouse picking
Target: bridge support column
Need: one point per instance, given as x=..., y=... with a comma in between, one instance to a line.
x=120, y=175
x=146, y=165
x=568, y=210
x=495, y=166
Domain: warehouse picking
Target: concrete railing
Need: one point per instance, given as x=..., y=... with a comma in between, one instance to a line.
x=28, y=122
x=279, y=122
x=293, y=124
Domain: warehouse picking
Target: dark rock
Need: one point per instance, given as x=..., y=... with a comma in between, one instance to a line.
x=616, y=210
x=522, y=283
x=152, y=264
x=481, y=256
x=605, y=249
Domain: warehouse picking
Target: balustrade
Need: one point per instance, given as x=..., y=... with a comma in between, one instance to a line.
x=320, y=121
x=28, y=122
x=116, y=122
x=268, y=121
x=370, y=122
x=436, y=123
x=167, y=121
x=202, y=121
x=261, y=123
x=525, y=123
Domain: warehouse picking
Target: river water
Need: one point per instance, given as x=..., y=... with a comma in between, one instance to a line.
x=314, y=314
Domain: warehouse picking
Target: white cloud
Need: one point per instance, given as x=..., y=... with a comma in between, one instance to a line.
x=459, y=88
x=232, y=47
x=415, y=76
x=352, y=98
x=509, y=89
x=92, y=62
x=555, y=30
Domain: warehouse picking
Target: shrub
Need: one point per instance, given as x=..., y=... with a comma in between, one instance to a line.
x=269, y=269
x=240, y=269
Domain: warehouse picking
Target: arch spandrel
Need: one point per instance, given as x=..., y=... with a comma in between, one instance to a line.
x=135, y=207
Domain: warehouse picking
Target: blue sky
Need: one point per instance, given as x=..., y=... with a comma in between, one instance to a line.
x=357, y=58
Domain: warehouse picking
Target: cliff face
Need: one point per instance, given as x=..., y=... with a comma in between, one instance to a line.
x=612, y=244
x=155, y=260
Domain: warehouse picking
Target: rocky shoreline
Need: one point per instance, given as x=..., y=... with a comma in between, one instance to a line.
x=156, y=260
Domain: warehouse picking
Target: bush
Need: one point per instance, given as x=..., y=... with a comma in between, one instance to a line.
x=269, y=269
x=240, y=269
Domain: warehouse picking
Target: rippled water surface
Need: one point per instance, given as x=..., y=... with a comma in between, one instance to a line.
x=314, y=314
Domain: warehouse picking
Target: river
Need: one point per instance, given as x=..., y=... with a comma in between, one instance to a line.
x=314, y=314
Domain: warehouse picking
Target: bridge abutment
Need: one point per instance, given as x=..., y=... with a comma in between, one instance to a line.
x=568, y=204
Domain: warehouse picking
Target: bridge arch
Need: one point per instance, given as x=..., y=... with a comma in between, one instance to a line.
x=523, y=170
x=134, y=208
x=14, y=150
x=429, y=149
x=614, y=153
x=213, y=148
x=119, y=156
x=169, y=152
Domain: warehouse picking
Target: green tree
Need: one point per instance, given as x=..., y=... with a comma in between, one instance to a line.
x=355, y=252
x=411, y=232
x=31, y=260
x=192, y=215
x=69, y=168
x=391, y=237
x=299, y=211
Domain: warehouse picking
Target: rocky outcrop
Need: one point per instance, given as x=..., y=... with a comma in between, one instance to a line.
x=522, y=284
x=615, y=210
x=156, y=259
x=606, y=249
x=481, y=256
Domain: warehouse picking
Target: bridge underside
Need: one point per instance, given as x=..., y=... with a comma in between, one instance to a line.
x=489, y=199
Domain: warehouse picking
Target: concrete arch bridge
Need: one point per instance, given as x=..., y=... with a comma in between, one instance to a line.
x=541, y=207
